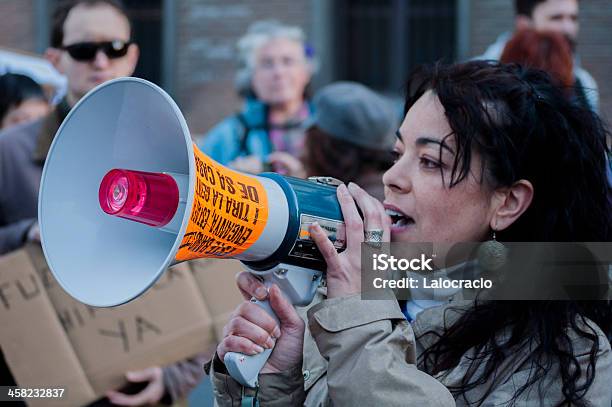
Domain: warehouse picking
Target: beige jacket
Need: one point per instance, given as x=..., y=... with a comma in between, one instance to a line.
x=356, y=353
x=515, y=370
x=359, y=352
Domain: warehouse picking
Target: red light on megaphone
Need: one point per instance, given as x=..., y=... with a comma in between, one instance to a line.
x=145, y=197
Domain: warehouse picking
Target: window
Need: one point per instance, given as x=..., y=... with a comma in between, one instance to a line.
x=146, y=16
x=378, y=42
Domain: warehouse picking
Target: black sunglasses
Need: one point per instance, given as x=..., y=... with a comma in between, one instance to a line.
x=86, y=51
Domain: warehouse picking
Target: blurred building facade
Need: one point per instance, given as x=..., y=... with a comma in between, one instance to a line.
x=188, y=45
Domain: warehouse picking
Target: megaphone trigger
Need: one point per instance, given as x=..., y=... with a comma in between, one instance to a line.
x=299, y=285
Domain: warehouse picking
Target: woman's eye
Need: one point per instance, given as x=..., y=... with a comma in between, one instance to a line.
x=429, y=164
x=267, y=63
x=288, y=61
x=395, y=156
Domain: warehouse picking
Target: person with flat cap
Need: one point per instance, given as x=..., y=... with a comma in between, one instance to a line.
x=349, y=137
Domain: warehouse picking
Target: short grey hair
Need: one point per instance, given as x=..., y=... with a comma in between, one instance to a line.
x=259, y=34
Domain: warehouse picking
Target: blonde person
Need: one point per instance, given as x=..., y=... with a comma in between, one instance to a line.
x=349, y=137
x=276, y=69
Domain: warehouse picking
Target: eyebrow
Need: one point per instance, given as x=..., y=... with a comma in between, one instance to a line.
x=421, y=141
x=399, y=136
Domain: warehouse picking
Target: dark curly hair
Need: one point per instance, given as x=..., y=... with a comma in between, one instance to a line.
x=523, y=127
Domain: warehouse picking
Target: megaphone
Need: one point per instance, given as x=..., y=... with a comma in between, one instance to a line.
x=125, y=194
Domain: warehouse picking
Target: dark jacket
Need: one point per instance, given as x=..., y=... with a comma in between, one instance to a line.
x=242, y=134
x=22, y=153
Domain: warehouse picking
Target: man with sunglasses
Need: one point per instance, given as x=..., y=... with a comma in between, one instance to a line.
x=90, y=44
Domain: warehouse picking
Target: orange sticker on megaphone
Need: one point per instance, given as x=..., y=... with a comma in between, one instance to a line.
x=229, y=212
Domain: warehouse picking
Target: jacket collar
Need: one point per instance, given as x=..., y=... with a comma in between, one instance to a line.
x=254, y=113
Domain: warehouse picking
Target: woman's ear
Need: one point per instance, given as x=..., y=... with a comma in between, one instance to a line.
x=511, y=203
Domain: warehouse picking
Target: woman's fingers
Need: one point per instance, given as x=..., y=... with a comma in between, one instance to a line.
x=250, y=286
x=291, y=164
x=150, y=395
x=325, y=246
x=352, y=219
x=234, y=343
x=280, y=157
x=145, y=375
x=251, y=164
x=386, y=222
x=375, y=217
x=367, y=204
x=239, y=326
x=258, y=316
x=286, y=313
x=249, y=331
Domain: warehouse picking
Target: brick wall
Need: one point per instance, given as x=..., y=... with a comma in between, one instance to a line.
x=595, y=48
x=17, y=22
x=488, y=19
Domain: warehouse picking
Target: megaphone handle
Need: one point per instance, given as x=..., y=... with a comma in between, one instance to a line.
x=245, y=368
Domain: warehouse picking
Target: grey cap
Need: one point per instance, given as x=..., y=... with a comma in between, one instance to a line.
x=351, y=112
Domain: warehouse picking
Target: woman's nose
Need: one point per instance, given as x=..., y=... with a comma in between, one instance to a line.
x=397, y=179
x=278, y=69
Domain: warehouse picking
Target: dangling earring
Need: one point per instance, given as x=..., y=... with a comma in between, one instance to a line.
x=492, y=254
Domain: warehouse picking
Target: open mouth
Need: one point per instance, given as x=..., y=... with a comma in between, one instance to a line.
x=398, y=219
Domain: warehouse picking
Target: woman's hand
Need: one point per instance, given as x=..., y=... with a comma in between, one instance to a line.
x=251, y=329
x=34, y=233
x=344, y=270
x=285, y=163
x=251, y=164
x=148, y=396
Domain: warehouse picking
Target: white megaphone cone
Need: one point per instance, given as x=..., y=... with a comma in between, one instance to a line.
x=124, y=195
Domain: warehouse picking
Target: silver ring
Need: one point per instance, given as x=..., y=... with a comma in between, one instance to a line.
x=374, y=237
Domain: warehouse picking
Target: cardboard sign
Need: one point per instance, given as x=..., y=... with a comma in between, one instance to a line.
x=217, y=282
x=49, y=338
x=34, y=344
x=229, y=212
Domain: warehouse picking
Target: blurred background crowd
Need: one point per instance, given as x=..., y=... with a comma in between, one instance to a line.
x=189, y=47
x=301, y=87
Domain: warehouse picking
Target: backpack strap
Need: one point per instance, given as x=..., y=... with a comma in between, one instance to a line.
x=249, y=401
x=246, y=129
